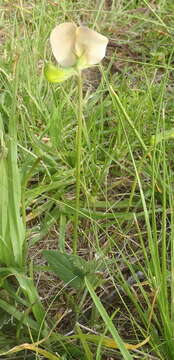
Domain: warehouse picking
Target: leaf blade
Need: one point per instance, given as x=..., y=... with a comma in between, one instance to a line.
x=64, y=267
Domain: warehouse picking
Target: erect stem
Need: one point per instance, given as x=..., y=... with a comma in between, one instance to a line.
x=78, y=160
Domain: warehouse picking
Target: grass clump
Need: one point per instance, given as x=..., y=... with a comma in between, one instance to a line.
x=114, y=298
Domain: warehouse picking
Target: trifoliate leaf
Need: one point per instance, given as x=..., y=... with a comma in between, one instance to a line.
x=56, y=75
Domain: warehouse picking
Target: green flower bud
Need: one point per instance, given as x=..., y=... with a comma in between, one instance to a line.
x=56, y=75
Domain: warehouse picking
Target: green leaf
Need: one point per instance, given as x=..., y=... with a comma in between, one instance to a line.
x=10, y=309
x=29, y=290
x=108, y=321
x=12, y=232
x=69, y=268
x=57, y=75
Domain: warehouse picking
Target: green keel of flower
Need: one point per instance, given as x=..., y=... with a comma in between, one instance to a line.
x=81, y=63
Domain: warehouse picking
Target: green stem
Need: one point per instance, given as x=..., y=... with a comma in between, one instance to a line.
x=78, y=160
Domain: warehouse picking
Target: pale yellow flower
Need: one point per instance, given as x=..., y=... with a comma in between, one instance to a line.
x=79, y=46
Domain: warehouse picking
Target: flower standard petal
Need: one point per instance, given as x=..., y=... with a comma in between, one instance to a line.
x=62, y=41
x=90, y=45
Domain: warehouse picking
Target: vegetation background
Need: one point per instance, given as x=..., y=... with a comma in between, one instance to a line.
x=114, y=299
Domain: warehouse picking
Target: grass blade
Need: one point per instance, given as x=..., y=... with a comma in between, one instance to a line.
x=108, y=322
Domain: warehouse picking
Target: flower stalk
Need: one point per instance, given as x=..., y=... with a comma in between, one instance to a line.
x=78, y=159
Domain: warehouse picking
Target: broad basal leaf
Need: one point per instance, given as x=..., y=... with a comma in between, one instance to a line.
x=69, y=268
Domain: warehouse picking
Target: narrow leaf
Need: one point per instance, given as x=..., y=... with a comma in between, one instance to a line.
x=108, y=342
x=108, y=322
x=10, y=309
x=33, y=347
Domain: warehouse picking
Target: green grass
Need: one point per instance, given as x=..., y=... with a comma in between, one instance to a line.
x=126, y=206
